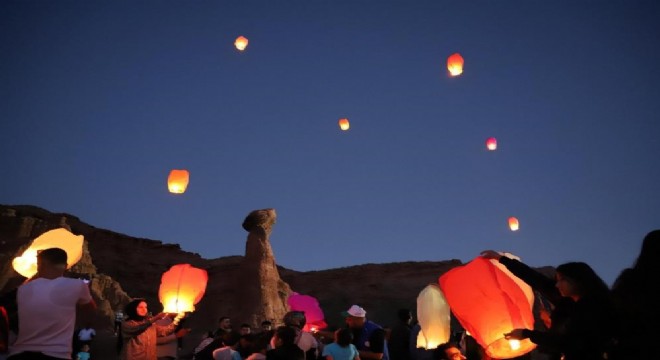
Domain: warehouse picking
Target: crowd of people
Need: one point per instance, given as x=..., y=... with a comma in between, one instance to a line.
x=587, y=320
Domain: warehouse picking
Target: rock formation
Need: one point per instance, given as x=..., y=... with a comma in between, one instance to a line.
x=262, y=293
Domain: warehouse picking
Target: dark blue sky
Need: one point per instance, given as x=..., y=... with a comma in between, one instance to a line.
x=101, y=99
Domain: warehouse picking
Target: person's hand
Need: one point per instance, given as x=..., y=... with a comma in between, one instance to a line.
x=182, y=332
x=491, y=254
x=515, y=334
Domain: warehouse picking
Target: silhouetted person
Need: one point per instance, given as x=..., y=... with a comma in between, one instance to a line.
x=637, y=308
x=581, y=323
x=399, y=341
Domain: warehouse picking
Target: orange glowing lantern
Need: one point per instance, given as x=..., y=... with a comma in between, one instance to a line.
x=344, y=124
x=434, y=319
x=514, y=224
x=181, y=287
x=241, y=43
x=178, y=180
x=26, y=264
x=455, y=64
x=489, y=303
x=491, y=144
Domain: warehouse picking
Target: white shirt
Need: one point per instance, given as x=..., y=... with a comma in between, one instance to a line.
x=47, y=315
x=86, y=334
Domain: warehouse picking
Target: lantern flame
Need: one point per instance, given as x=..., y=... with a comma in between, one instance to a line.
x=455, y=64
x=514, y=224
x=344, y=124
x=181, y=287
x=515, y=344
x=491, y=144
x=26, y=264
x=178, y=180
x=241, y=43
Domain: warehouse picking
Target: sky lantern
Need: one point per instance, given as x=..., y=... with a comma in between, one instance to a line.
x=178, y=180
x=344, y=124
x=314, y=317
x=489, y=303
x=529, y=292
x=514, y=224
x=455, y=64
x=26, y=264
x=491, y=144
x=241, y=43
x=434, y=318
x=181, y=287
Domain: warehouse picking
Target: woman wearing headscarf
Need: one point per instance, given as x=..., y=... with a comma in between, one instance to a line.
x=139, y=331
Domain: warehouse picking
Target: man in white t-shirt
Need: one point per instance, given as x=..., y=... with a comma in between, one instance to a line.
x=47, y=310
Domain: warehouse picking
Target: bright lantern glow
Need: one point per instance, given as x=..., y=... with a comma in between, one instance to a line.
x=515, y=344
x=434, y=319
x=314, y=317
x=491, y=144
x=344, y=124
x=26, y=264
x=241, y=43
x=181, y=287
x=455, y=64
x=514, y=224
x=178, y=180
x=488, y=304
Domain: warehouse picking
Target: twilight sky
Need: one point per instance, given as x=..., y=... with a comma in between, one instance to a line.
x=101, y=99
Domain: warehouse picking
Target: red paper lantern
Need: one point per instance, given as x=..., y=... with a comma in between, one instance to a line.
x=344, y=124
x=181, y=287
x=489, y=303
x=491, y=144
x=514, y=224
x=455, y=64
x=241, y=43
x=178, y=180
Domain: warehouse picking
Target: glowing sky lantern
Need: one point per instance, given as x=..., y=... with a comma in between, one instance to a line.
x=181, y=287
x=241, y=43
x=455, y=64
x=344, y=124
x=315, y=319
x=26, y=264
x=434, y=319
x=178, y=180
x=489, y=303
x=491, y=144
x=514, y=224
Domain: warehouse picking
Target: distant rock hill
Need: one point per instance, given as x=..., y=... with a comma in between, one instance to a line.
x=122, y=267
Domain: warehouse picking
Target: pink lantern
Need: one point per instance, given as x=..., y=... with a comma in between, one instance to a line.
x=491, y=144
x=489, y=303
x=315, y=320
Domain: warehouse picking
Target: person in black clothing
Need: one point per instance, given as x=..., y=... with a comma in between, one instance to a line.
x=637, y=310
x=399, y=341
x=580, y=326
x=285, y=346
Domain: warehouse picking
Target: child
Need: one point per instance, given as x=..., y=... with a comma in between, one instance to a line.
x=83, y=354
x=341, y=349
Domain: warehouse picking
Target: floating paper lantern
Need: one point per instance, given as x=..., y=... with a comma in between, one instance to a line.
x=344, y=124
x=181, y=287
x=241, y=43
x=514, y=224
x=491, y=144
x=178, y=180
x=489, y=303
x=314, y=317
x=26, y=264
x=455, y=64
x=434, y=319
x=526, y=289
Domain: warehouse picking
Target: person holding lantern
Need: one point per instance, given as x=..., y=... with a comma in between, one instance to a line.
x=580, y=326
x=139, y=331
